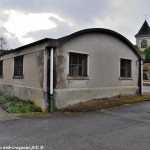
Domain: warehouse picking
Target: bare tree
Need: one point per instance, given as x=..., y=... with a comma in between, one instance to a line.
x=3, y=44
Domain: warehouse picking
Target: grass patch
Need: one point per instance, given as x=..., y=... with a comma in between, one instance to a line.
x=106, y=103
x=13, y=104
x=35, y=115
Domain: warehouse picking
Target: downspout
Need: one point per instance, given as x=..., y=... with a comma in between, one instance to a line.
x=141, y=71
x=51, y=100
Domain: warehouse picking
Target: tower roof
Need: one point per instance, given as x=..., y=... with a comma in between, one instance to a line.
x=144, y=31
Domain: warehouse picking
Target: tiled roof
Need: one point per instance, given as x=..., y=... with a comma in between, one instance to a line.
x=146, y=66
x=144, y=31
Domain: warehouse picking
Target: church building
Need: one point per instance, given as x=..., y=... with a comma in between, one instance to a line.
x=143, y=37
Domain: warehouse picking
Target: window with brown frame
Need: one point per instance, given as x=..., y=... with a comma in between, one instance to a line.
x=77, y=64
x=125, y=68
x=18, y=66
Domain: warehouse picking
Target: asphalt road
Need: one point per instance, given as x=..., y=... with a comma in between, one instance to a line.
x=121, y=128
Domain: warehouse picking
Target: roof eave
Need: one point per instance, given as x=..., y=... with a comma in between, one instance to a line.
x=51, y=42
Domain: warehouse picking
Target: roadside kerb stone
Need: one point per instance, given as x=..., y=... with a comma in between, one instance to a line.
x=100, y=108
x=4, y=116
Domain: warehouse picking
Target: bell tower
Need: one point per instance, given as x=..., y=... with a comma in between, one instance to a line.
x=143, y=37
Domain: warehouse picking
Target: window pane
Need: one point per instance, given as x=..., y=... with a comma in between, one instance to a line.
x=125, y=68
x=81, y=59
x=18, y=66
x=84, y=65
x=74, y=70
x=1, y=68
x=80, y=71
x=77, y=64
x=74, y=58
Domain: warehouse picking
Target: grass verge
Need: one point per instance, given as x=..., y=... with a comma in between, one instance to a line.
x=34, y=115
x=106, y=103
x=13, y=104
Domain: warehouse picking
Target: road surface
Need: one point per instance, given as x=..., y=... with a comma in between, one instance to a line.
x=120, y=128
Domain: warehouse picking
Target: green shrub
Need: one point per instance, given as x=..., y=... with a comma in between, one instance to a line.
x=14, y=104
x=12, y=98
x=2, y=101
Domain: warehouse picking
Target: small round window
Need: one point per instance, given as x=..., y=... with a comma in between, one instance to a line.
x=144, y=44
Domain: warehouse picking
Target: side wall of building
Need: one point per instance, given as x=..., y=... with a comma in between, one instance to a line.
x=104, y=53
x=32, y=86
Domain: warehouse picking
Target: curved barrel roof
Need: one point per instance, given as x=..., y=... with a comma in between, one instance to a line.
x=101, y=30
x=57, y=42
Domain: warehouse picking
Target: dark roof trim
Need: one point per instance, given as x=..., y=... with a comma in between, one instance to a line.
x=101, y=30
x=32, y=44
x=28, y=45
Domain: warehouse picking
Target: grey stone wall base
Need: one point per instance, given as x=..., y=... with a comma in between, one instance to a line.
x=34, y=94
x=66, y=97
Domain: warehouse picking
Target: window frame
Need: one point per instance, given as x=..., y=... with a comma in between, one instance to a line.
x=125, y=77
x=1, y=69
x=18, y=68
x=84, y=77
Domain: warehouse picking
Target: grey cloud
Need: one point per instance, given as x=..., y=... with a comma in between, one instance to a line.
x=82, y=13
x=13, y=42
x=79, y=10
x=2, y=31
x=3, y=17
x=62, y=29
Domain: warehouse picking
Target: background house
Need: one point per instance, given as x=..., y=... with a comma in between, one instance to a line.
x=89, y=64
x=146, y=71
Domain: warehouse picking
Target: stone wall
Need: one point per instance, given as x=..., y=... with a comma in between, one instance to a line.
x=65, y=97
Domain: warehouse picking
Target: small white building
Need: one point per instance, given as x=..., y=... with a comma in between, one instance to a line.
x=89, y=64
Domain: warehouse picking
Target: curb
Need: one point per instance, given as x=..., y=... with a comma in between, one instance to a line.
x=100, y=108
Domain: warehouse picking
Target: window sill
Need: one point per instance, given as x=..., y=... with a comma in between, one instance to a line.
x=18, y=77
x=78, y=78
x=125, y=78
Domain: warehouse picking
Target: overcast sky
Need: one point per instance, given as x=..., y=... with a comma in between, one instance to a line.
x=26, y=21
